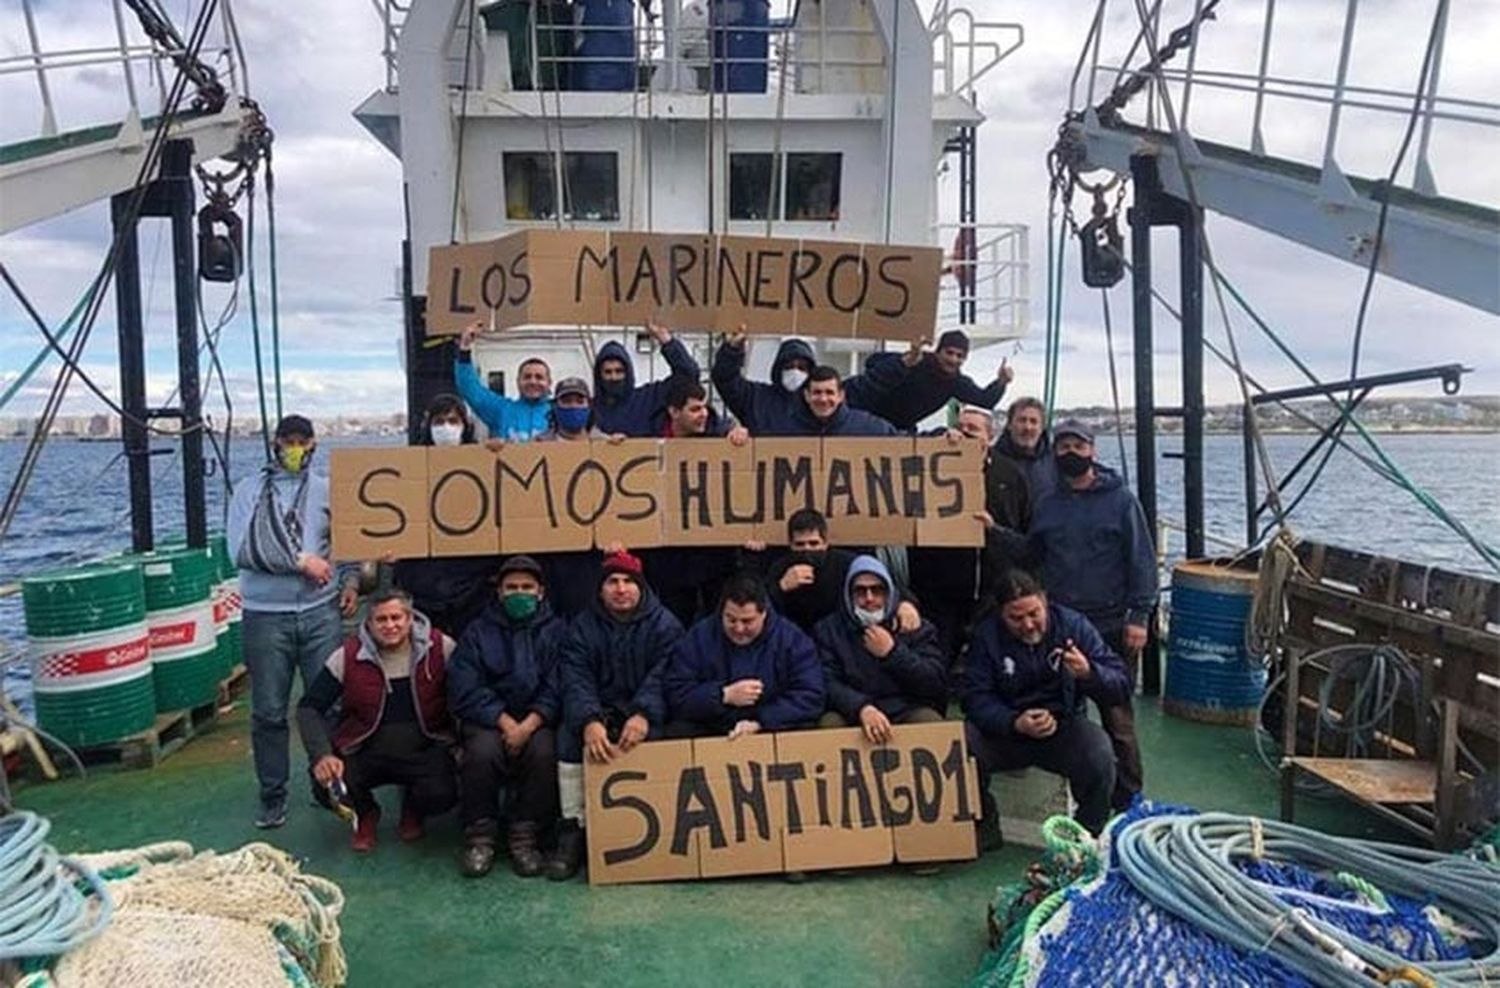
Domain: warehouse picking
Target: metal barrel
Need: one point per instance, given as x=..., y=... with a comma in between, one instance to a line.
x=1209, y=675
x=89, y=648
x=185, y=657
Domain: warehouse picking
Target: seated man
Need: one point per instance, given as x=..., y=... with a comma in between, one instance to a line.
x=878, y=674
x=1030, y=669
x=611, y=664
x=393, y=726
x=743, y=670
x=807, y=583
x=502, y=684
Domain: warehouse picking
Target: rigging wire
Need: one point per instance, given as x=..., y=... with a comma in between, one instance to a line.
x=1114, y=383
x=275, y=295
x=260, y=371
x=463, y=120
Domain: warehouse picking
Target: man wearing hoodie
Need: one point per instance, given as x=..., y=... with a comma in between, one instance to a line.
x=1091, y=547
x=279, y=538
x=905, y=388
x=389, y=682
x=743, y=670
x=1024, y=442
x=611, y=661
x=515, y=420
x=764, y=409
x=824, y=412
x=807, y=582
x=502, y=685
x=1031, y=666
x=877, y=674
x=450, y=590
x=621, y=407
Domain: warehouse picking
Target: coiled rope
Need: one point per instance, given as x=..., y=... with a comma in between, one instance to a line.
x=43, y=906
x=1186, y=864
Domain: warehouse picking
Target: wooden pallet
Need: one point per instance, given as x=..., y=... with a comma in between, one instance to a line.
x=148, y=748
x=233, y=684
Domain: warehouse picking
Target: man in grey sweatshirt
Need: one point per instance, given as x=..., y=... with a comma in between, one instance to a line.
x=278, y=533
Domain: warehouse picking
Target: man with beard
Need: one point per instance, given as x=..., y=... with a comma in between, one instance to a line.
x=1031, y=666
x=621, y=407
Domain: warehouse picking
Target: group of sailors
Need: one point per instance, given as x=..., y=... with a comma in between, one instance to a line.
x=522, y=668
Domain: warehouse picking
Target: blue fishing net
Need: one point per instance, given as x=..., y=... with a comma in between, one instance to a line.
x=1105, y=932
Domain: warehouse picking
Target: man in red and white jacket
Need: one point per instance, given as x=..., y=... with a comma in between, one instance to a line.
x=394, y=727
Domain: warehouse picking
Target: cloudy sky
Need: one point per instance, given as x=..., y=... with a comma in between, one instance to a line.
x=339, y=195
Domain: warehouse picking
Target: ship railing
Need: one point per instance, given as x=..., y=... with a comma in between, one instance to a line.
x=966, y=49
x=1217, y=96
x=55, y=71
x=988, y=284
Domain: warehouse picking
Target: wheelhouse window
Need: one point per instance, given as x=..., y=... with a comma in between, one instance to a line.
x=591, y=185
x=812, y=186
x=750, y=183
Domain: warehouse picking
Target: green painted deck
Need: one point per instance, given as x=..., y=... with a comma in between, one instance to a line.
x=412, y=920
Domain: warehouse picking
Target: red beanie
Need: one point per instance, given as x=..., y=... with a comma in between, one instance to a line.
x=624, y=562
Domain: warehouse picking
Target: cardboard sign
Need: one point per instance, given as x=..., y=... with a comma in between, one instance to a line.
x=772, y=286
x=795, y=801
x=643, y=493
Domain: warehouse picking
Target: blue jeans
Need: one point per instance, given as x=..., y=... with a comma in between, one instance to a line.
x=277, y=645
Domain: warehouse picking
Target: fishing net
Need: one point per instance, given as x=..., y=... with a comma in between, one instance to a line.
x=1075, y=923
x=245, y=919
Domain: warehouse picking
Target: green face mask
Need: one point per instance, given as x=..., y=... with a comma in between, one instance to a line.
x=519, y=606
x=294, y=458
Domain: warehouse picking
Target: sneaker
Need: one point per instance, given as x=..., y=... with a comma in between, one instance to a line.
x=364, y=832
x=271, y=815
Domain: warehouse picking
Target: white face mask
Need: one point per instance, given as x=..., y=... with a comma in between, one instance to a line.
x=793, y=378
x=447, y=434
x=868, y=619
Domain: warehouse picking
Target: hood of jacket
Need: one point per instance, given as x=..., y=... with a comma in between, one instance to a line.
x=613, y=350
x=869, y=564
x=787, y=352
x=421, y=638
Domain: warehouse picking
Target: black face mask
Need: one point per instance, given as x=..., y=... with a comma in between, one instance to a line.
x=1073, y=464
x=614, y=389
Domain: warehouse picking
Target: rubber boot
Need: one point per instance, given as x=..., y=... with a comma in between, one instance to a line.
x=410, y=828
x=568, y=858
x=525, y=857
x=364, y=832
x=987, y=827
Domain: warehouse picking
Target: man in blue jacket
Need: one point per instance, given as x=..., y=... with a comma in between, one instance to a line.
x=904, y=389
x=620, y=406
x=1031, y=665
x=764, y=409
x=743, y=670
x=1090, y=545
x=502, y=686
x=824, y=412
x=612, y=662
x=515, y=420
x=877, y=674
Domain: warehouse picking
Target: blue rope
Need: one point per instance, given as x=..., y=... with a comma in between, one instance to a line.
x=43, y=910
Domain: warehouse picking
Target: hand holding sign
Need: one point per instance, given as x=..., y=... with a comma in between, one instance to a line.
x=1006, y=372
x=469, y=335
x=596, y=742
x=743, y=693
x=913, y=355
x=634, y=732
x=744, y=727
x=876, y=725
x=661, y=334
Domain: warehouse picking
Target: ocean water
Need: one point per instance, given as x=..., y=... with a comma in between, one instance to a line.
x=77, y=503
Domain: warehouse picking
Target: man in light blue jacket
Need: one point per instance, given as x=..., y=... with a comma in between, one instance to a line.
x=278, y=533
x=515, y=420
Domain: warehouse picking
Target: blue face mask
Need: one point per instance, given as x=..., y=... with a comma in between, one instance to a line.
x=571, y=419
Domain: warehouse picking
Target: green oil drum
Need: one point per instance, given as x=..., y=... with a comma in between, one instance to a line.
x=185, y=657
x=89, y=647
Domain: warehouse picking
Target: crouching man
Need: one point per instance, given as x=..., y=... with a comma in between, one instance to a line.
x=611, y=665
x=393, y=727
x=1031, y=667
x=878, y=674
x=503, y=688
x=743, y=670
